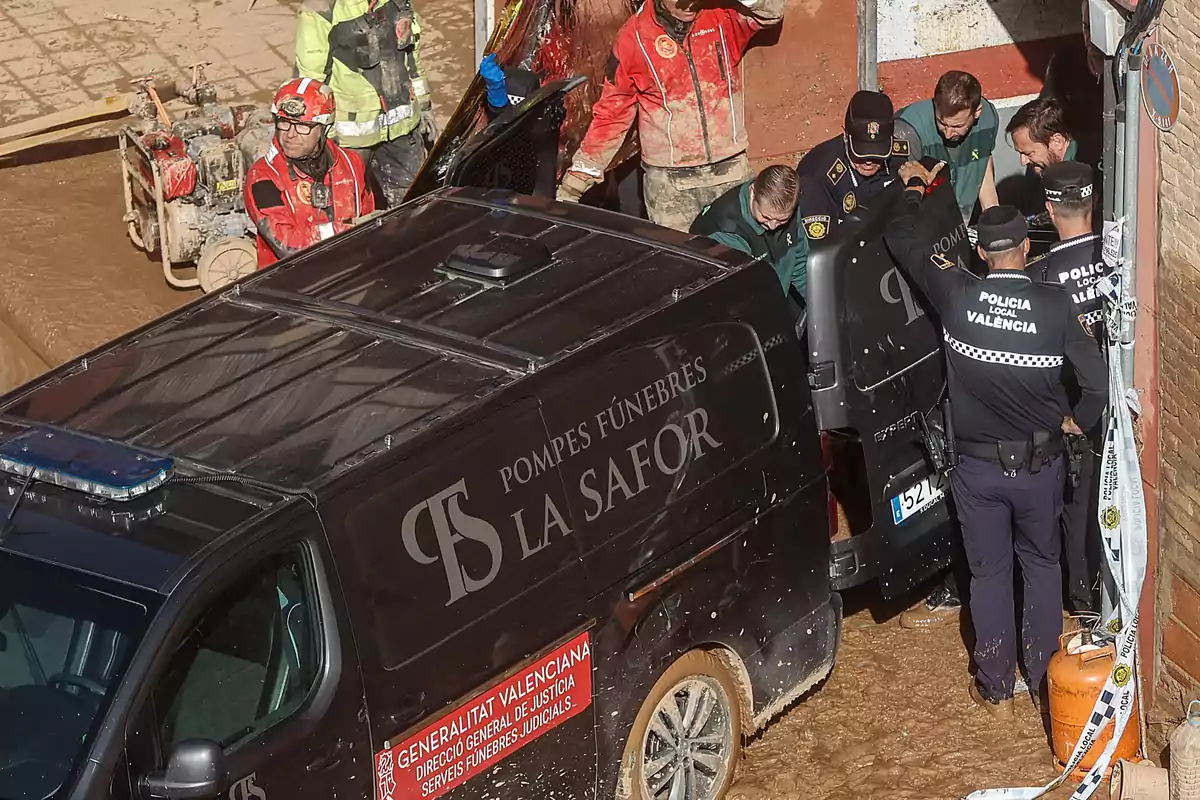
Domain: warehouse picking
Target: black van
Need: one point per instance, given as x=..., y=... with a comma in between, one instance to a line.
x=491, y=497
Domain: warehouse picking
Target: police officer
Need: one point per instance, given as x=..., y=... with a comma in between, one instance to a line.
x=849, y=170
x=1006, y=340
x=759, y=218
x=1076, y=263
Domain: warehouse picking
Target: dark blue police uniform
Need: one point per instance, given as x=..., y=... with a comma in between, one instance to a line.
x=1076, y=263
x=830, y=185
x=1007, y=338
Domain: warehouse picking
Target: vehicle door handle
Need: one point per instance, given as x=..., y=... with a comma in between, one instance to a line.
x=328, y=759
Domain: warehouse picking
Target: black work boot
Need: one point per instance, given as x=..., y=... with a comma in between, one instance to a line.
x=942, y=607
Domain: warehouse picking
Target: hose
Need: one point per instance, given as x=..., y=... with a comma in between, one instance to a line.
x=1143, y=18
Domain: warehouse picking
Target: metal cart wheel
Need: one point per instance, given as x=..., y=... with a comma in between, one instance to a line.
x=224, y=261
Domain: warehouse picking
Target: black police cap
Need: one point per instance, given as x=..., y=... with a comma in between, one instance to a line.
x=1002, y=228
x=869, y=125
x=1067, y=181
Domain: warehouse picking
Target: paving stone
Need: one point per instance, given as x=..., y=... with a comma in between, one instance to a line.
x=48, y=20
x=271, y=80
x=50, y=86
x=24, y=47
x=265, y=59
x=102, y=73
x=30, y=67
x=73, y=59
x=9, y=30
x=57, y=42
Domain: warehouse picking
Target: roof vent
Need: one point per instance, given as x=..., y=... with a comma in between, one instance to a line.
x=505, y=258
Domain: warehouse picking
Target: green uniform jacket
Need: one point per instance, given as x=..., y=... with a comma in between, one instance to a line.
x=729, y=221
x=968, y=161
x=369, y=53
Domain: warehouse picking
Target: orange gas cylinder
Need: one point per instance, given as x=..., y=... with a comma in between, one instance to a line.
x=1075, y=678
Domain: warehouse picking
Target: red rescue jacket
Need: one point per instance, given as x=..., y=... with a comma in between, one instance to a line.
x=688, y=98
x=279, y=201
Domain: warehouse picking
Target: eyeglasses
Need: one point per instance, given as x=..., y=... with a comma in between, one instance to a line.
x=283, y=125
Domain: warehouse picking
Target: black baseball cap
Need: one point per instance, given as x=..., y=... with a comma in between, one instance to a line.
x=520, y=83
x=1002, y=228
x=870, y=125
x=1067, y=181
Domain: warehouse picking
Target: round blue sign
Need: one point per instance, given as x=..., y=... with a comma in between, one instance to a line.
x=1160, y=87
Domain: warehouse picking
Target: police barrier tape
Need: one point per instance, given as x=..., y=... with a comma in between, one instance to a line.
x=1122, y=516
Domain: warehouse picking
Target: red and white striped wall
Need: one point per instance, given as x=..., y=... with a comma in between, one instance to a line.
x=1007, y=44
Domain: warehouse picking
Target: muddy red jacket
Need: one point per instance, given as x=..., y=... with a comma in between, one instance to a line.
x=279, y=199
x=688, y=98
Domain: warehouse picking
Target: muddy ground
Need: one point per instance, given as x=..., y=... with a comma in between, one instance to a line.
x=894, y=721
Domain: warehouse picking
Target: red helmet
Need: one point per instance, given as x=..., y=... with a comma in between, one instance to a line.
x=304, y=100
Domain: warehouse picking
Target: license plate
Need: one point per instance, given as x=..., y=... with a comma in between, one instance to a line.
x=917, y=498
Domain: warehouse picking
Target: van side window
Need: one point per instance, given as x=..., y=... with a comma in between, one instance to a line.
x=250, y=661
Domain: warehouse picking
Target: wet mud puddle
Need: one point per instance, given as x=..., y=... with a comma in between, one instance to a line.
x=894, y=721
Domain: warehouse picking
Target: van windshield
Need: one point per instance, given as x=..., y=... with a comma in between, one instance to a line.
x=65, y=640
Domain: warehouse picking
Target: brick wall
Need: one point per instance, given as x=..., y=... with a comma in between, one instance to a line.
x=1176, y=672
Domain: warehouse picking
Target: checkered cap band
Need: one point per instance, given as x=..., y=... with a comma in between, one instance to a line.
x=1003, y=356
x=1070, y=193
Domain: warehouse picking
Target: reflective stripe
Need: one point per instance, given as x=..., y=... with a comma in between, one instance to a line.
x=420, y=87
x=585, y=170
x=1002, y=356
x=304, y=84
x=373, y=126
x=325, y=230
x=394, y=115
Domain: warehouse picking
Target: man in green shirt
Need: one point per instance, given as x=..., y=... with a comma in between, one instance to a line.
x=959, y=127
x=759, y=218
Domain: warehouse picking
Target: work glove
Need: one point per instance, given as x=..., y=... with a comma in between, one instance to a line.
x=573, y=186
x=428, y=126
x=493, y=77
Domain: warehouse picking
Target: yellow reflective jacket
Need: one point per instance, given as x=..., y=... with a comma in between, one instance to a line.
x=369, y=53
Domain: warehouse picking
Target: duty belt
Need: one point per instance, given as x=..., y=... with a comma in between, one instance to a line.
x=1031, y=454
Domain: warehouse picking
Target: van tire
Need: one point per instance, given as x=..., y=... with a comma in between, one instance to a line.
x=703, y=677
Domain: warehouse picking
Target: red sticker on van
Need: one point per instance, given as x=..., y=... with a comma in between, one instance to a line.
x=490, y=727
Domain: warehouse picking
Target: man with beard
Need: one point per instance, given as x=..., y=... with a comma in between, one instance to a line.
x=306, y=188
x=1041, y=136
x=959, y=127
x=675, y=68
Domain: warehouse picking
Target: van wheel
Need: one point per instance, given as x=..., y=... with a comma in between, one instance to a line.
x=686, y=740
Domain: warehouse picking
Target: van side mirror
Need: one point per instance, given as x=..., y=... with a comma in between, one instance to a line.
x=195, y=771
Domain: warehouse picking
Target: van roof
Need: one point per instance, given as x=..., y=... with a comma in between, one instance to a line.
x=301, y=373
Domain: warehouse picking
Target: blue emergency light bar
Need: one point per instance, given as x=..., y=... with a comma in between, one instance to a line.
x=96, y=467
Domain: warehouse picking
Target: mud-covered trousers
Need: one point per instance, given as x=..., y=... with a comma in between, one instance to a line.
x=675, y=196
x=395, y=164
x=1001, y=516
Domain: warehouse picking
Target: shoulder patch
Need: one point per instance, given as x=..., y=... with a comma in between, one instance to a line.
x=816, y=226
x=899, y=147
x=836, y=171
x=941, y=262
